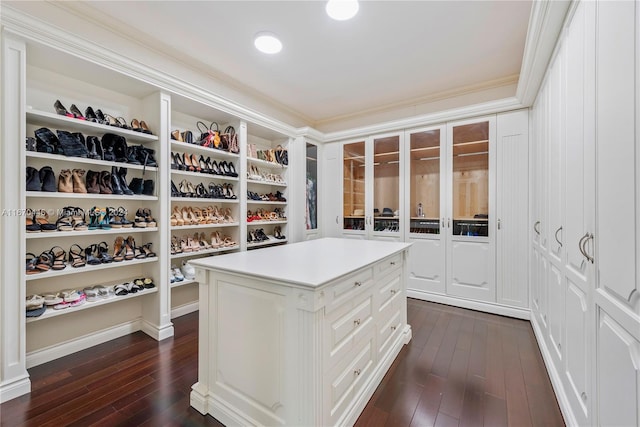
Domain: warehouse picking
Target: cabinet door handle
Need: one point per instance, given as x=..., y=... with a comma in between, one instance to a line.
x=557, y=240
x=498, y=223
x=584, y=245
x=357, y=283
x=356, y=372
x=393, y=291
x=442, y=222
x=393, y=328
x=337, y=219
x=580, y=243
x=583, y=395
x=392, y=263
x=535, y=227
x=448, y=222
x=356, y=322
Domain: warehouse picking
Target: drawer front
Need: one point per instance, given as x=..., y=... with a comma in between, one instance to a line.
x=390, y=287
x=388, y=264
x=345, y=327
x=348, y=288
x=347, y=377
x=389, y=329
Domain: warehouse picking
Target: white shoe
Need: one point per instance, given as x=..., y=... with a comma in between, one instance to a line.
x=188, y=271
x=177, y=274
x=172, y=277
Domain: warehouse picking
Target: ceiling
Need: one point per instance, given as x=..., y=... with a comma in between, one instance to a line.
x=392, y=54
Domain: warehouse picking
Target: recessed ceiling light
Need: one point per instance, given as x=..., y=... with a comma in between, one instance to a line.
x=267, y=42
x=341, y=10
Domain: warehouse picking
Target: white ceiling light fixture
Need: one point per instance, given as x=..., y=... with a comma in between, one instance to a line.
x=341, y=10
x=267, y=42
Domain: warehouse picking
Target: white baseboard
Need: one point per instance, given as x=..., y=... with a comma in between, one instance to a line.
x=556, y=381
x=47, y=354
x=157, y=333
x=14, y=388
x=181, y=310
x=502, y=310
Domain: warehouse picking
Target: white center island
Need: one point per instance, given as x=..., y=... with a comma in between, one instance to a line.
x=300, y=334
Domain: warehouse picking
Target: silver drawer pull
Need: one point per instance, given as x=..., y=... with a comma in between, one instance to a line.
x=358, y=283
x=392, y=263
x=584, y=396
x=356, y=372
x=393, y=291
x=393, y=328
x=356, y=322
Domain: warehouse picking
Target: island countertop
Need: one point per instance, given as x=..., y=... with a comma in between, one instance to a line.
x=312, y=263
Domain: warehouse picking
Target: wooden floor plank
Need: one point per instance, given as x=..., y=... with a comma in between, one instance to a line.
x=461, y=368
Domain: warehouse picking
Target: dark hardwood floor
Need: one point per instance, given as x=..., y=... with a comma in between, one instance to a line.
x=462, y=368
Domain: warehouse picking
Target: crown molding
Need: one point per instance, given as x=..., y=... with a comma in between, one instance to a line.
x=470, y=111
x=545, y=25
x=29, y=28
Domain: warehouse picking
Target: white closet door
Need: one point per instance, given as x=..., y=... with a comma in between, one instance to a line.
x=617, y=236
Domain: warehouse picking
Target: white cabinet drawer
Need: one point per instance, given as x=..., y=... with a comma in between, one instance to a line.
x=389, y=264
x=347, y=378
x=389, y=287
x=388, y=329
x=345, y=327
x=348, y=288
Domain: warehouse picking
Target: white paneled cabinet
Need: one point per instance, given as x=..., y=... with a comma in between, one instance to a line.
x=585, y=213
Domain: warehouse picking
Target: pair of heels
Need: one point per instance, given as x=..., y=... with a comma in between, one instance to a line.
x=126, y=250
x=256, y=236
x=53, y=259
x=98, y=116
x=143, y=218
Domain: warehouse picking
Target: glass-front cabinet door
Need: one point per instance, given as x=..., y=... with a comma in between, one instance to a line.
x=471, y=203
x=353, y=186
x=311, y=200
x=426, y=209
x=372, y=196
x=386, y=185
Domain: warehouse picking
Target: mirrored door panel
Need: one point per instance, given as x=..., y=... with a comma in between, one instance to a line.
x=470, y=180
x=386, y=184
x=424, y=184
x=311, y=214
x=353, y=186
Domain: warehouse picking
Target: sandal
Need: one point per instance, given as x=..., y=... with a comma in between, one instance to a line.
x=34, y=302
x=31, y=260
x=64, y=222
x=52, y=299
x=122, y=214
x=32, y=225
x=148, y=283
x=146, y=250
x=76, y=258
x=103, y=291
x=42, y=219
x=130, y=248
x=151, y=222
x=140, y=220
x=103, y=253
x=91, y=259
x=119, y=249
x=121, y=289
x=44, y=261
x=78, y=218
x=91, y=293
x=59, y=257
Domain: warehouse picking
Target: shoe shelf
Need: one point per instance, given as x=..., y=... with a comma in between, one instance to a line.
x=87, y=268
x=203, y=199
x=56, y=234
x=203, y=226
x=67, y=159
x=267, y=183
x=50, y=312
x=177, y=146
x=184, y=282
x=204, y=252
x=272, y=241
x=250, y=223
x=72, y=124
x=264, y=163
x=201, y=175
x=59, y=195
x=263, y=202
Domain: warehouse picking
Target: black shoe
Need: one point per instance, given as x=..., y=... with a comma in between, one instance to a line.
x=122, y=175
x=90, y=115
x=148, y=187
x=93, y=145
x=174, y=190
x=48, y=179
x=33, y=179
x=136, y=185
x=76, y=112
x=60, y=109
x=115, y=181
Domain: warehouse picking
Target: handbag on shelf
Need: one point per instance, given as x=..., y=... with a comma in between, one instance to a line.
x=209, y=137
x=282, y=155
x=230, y=140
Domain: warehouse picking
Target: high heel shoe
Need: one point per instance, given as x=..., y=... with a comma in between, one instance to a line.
x=186, y=217
x=129, y=251
x=179, y=162
x=229, y=194
x=203, y=165
x=103, y=253
x=203, y=242
x=119, y=249
x=145, y=128
x=135, y=125
x=76, y=256
x=90, y=115
x=186, y=159
x=111, y=121
x=184, y=189
x=59, y=257
x=60, y=109
x=176, y=136
x=215, y=168
x=101, y=118
x=232, y=170
x=195, y=163
x=76, y=112
x=177, y=216
x=123, y=123
x=91, y=259
x=174, y=190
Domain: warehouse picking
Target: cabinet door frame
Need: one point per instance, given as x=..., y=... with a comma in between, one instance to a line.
x=485, y=291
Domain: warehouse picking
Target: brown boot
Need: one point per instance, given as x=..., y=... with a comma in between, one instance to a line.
x=65, y=183
x=93, y=179
x=78, y=181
